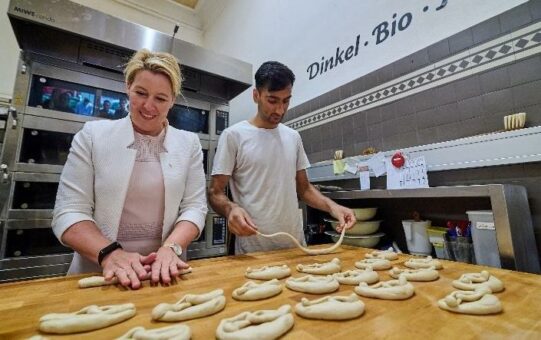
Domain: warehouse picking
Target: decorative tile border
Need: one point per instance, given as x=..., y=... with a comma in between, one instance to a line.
x=505, y=49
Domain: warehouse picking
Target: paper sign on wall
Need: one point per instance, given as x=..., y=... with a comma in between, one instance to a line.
x=377, y=164
x=413, y=174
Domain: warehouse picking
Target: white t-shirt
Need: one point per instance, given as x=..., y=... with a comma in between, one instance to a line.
x=263, y=164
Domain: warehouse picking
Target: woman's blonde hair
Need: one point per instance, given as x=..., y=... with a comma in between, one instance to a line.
x=158, y=62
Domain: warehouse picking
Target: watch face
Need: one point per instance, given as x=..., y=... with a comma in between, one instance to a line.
x=176, y=248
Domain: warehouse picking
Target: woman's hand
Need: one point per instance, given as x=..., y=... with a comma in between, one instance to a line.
x=129, y=268
x=166, y=266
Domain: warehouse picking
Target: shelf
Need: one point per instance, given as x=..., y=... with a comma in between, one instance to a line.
x=512, y=218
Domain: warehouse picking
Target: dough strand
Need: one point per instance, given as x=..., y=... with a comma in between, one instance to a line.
x=307, y=250
x=98, y=281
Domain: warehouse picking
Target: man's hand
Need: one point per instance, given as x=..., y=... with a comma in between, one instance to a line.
x=129, y=268
x=166, y=266
x=345, y=216
x=240, y=223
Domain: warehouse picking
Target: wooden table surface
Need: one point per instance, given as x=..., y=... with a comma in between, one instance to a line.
x=23, y=303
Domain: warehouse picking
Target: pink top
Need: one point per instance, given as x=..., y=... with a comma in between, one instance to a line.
x=141, y=223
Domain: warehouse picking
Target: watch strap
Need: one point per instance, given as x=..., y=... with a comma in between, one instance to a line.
x=108, y=250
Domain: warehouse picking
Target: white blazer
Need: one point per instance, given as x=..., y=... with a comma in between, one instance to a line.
x=95, y=179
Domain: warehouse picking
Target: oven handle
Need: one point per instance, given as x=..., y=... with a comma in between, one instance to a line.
x=13, y=112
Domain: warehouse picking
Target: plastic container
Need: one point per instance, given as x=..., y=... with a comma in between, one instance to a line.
x=417, y=237
x=436, y=234
x=483, y=232
x=440, y=251
x=460, y=249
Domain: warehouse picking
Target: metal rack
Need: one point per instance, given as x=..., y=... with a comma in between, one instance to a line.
x=512, y=218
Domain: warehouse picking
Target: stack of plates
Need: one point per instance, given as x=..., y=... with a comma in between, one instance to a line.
x=363, y=233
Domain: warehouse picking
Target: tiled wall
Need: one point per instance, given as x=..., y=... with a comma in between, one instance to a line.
x=488, y=71
x=458, y=87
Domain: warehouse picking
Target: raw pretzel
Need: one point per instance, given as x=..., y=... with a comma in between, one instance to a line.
x=268, y=272
x=423, y=274
x=376, y=264
x=331, y=308
x=478, y=302
x=251, y=291
x=388, y=254
x=356, y=276
x=425, y=262
x=320, y=268
x=191, y=306
x=98, y=281
x=87, y=319
x=313, y=284
x=176, y=332
x=307, y=250
x=261, y=325
x=399, y=289
x=471, y=281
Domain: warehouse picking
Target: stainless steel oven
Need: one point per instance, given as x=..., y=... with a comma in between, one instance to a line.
x=70, y=72
x=213, y=239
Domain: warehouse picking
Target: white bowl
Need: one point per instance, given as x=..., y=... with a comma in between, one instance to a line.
x=366, y=241
x=359, y=228
x=364, y=214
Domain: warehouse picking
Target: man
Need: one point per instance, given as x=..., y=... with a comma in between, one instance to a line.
x=265, y=164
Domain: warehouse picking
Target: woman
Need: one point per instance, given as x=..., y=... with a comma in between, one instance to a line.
x=131, y=197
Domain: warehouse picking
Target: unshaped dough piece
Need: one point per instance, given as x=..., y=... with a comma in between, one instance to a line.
x=376, y=264
x=425, y=262
x=87, y=319
x=388, y=254
x=176, y=332
x=313, y=284
x=478, y=302
x=356, y=276
x=471, y=281
x=331, y=308
x=191, y=306
x=268, y=272
x=98, y=281
x=422, y=274
x=326, y=268
x=262, y=324
x=399, y=289
x=251, y=291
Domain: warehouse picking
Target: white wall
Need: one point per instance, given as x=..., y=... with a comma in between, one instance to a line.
x=300, y=32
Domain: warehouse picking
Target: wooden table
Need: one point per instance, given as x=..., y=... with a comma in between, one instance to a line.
x=23, y=303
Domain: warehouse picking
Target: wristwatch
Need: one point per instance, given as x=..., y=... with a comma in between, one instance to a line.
x=177, y=249
x=108, y=250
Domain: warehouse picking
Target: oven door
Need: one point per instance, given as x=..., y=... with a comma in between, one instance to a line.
x=212, y=241
x=31, y=250
x=191, y=115
x=32, y=195
x=44, y=144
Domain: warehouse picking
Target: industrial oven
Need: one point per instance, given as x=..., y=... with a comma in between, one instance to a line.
x=70, y=72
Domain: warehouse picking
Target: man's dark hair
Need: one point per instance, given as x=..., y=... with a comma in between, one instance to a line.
x=273, y=76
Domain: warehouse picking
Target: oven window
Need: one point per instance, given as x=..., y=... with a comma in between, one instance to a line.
x=34, y=195
x=45, y=147
x=54, y=94
x=113, y=105
x=33, y=242
x=189, y=119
